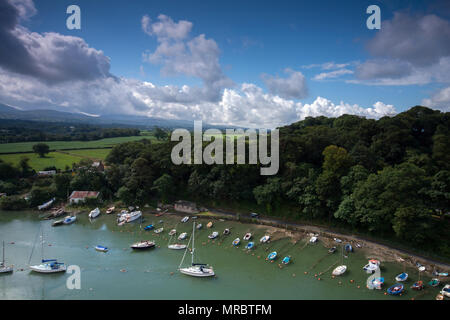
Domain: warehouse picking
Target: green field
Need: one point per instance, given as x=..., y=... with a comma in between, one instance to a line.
x=70, y=145
x=59, y=160
x=94, y=154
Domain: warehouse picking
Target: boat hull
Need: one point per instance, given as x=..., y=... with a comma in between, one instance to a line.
x=197, y=272
x=5, y=269
x=44, y=268
x=177, y=246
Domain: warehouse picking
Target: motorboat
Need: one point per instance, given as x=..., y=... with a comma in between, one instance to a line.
x=209, y=225
x=286, y=260
x=313, y=239
x=264, y=239
x=272, y=255
x=213, y=235
x=182, y=236
x=339, y=270
x=172, y=232
x=446, y=290
x=401, y=277
x=149, y=227
x=250, y=245
x=94, y=213
x=133, y=216
x=185, y=219
x=337, y=240
x=372, y=266
x=434, y=282
x=69, y=219
x=177, y=246
x=247, y=236
x=332, y=250
x=101, y=248
x=159, y=230
x=396, y=289
x=236, y=242
x=142, y=245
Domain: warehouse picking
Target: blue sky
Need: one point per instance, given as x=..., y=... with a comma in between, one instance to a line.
x=257, y=41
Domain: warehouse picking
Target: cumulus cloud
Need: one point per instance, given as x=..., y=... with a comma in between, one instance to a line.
x=178, y=54
x=439, y=100
x=51, y=57
x=292, y=87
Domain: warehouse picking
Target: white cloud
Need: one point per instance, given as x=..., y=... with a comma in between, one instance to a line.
x=332, y=74
x=291, y=87
x=439, y=100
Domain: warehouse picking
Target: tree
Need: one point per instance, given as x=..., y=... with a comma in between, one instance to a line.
x=160, y=134
x=41, y=149
x=164, y=186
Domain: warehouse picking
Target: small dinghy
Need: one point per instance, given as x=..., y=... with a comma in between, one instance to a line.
x=226, y=231
x=213, y=235
x=94, y=213
x=101, y=248
x=272, y=255
x=264, y=239
x=337, y=240
x=446, y=291
x=159, y=230
x=236, y=242
x=434, y=282
x=372, y=266
x=182, y=236
x=286, y=260
x=348, y=247
x=313, y=239
x=110, y=210
x=209, y=225
x=177, y=246
x=247, y=236
x=250, y=245
x=69, y=220
x=339, y=270
x=57, y=223
x=401, y=277
x=185, y=219
x=376, y=283
x=172, y=232
x=396, y=289
x=149, y=227
x=332, y=250
x=142, y=245
x=417, y=285
x=199, y=226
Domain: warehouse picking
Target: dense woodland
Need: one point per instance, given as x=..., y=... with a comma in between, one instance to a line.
x=28, y=131
x=388, y=177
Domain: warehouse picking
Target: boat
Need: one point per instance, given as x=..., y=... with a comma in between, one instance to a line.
x=182, y=236
x=196, y=269
x=250, y=245
x=69, y=219
x=46, y=205
x=159, y=230
x=142, y=245
x=337, y=240
x=101, y=248
x=176, y=246
x=401, y=277
x=372, y=266
x=172, y=232
x=94, y=213
x=396, y=289
x=313, y=239
x=199, y=226
x=209, y=225
x=446, y=290
x=110, y=210
x=213, y=235
x=57, y=223
x=422, y=268
x=247, y=236
x=131, y=208
x=272, y=255
x=185, y=219
x=358, y=245
x=375, y=283
x=48, y=265
x=434, y=282
x=348, y=247
x=264, y=239
x=3, y=267
x=236, y=242
x=226, y=231
x=332, y=250
x=440, y=296
x=133, y=216
x=286, y=260
x=443, y=274
x=417, y=285
x=149, y=227
x=339, y=270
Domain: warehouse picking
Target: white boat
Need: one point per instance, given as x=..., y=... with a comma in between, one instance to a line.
x=172, y=232
x=196, y=269
x=185, y=219
x=177, y=246
x=236, y=242
x=69, y=219
x=94, y=213
x=264, y=239
x=446, y=290
x=339, y=270
x=370, y=267
x=182, y=236
x=159, y=230
x=213, y=235
x=226, y=231
x=337, y=240
x=4, y=268
x=199, y=226
x=247, y=236
x=401, y=277
x=101, y=248
x=48, y=265
x=110, y=210
x=129, y=217
x=46, y=205
x=313, y=239
x=142, y=245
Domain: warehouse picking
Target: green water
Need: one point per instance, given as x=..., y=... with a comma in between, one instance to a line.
x=152, y=274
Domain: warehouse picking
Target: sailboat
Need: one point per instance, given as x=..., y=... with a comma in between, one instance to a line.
x=3, y=267
x=48, y=265
x=196, y=269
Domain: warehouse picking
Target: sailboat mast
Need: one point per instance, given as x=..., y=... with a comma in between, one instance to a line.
x=3, y=257
x=42, y=244
x=193, y=245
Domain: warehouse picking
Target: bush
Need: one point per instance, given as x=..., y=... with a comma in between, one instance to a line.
x=13, y=203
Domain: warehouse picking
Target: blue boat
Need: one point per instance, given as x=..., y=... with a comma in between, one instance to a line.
x=401, y=277
x=272, y=255
x=348, y=248
x=396, y=289
x=149, y=227
x=286, y=260
x=376, y=283
x=101, y=248
x=250, y=245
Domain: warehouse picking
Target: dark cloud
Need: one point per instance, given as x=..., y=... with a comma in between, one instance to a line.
x=383, y=68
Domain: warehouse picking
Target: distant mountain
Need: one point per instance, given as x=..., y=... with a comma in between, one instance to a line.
x=112, y=120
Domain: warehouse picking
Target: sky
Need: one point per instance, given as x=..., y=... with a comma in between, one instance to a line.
x=248, y=63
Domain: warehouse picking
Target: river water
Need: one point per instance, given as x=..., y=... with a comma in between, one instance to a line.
x=122, y=273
